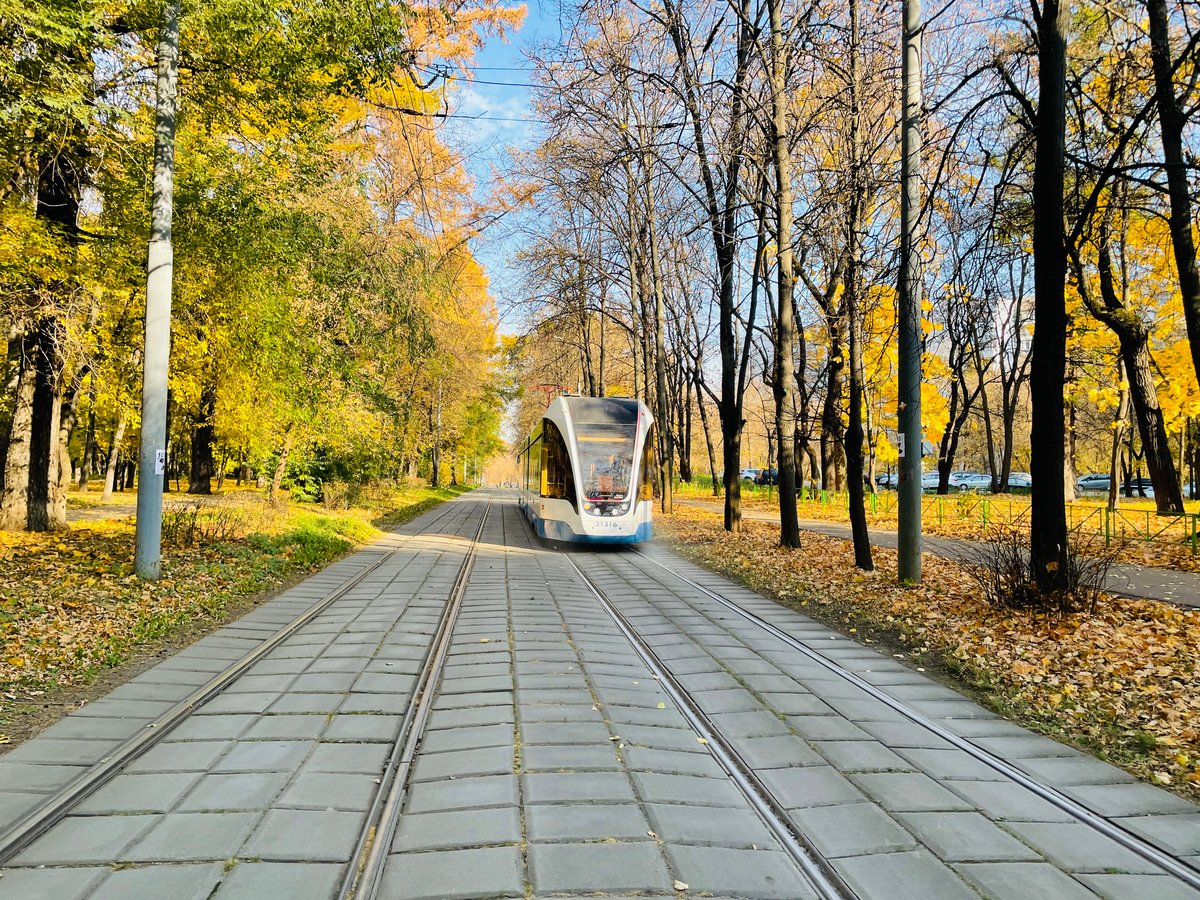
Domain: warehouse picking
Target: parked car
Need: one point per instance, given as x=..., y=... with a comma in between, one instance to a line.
x=749, y=474
x=767, y=476
x=960, y=479
x=929, y=481
x=888, y=481
x=1146, y=487
x=1019, y=480
x=975, y=481
x=1093, y=483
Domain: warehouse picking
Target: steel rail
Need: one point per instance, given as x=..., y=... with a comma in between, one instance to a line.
x=1130, y=841
x=824, y=878
x=364, y=876
x=42, y=818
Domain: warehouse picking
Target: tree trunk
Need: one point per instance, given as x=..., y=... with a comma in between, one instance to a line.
x=114, y=454
x=14, y=502
x=280, y=466
x=1119, y=426
x=68, y=414
x=1172, y=120
x=89, y=451
x=854, y=432
x=200, y=480
x=785, y=323
x=1048, y=518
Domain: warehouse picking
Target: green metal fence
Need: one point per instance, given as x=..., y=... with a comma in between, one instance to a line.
x=1083, y=519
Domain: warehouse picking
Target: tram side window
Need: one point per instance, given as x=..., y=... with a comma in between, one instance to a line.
x=648, y=477
x=558, y=481
x=533, y=465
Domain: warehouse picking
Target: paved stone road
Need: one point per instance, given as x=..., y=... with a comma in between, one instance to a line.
x=554, y=763
x=1149, y=582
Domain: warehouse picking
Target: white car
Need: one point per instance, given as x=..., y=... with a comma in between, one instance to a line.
x=976, y=481
x=1019, y=480
x=929, y=481
x=749, y=474
x=960, y=479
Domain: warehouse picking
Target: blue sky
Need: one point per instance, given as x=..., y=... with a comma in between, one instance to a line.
x=498, y=101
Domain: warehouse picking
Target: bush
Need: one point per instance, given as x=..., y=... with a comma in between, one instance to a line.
x=1002, y=571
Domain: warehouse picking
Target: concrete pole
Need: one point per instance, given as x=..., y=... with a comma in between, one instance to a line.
x=909, y=301
x=160, y=261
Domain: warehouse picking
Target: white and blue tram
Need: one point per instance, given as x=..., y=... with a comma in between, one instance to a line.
x=587, y=471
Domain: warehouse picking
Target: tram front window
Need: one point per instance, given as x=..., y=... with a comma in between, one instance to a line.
x=605, y=466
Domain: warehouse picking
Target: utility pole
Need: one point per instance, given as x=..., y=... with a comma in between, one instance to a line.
x=160, y=262
x=909, y=301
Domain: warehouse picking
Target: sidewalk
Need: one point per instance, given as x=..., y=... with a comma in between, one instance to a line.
x=1144, y=582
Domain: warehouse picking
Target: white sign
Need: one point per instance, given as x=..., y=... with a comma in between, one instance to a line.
x=902, y=436
x=160, y=462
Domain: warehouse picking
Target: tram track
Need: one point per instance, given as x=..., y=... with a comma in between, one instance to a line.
x=1076, y=810
x=820, y=872
x=365, y=872
x=43, y=817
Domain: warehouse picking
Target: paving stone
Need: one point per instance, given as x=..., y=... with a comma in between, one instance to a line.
x=689, y=789
x=1178, y=834
x=778, y=752
x=647, y=759
x=91, y=728
x=800, y=788
x=1070, y=771
x=466, y=718
x=264, y=756
x=1004, y=801
x=584, y=822
x=908, y=792
x=305, y=703
x=1128, y=799
x=49, y=884
x=463, y=763
x=599, y=787
x=967, y=837
x=61, y=752
x=295, y=881
x=949, y=765
x=578, y=757
x=852, y=829
x=1144, y=887
x=468, y=738
x=378, y=704
x=190, y=882
x=366, y=758
x=138, y=793
x=1022, y=881
x=458, y=829
x=214, y=793
x=364, y=728
x=329, y=790
x=286, y=727
x=597, y=867
x=749, y=724
x=193, y=836
x=798, y=703
x=862, y=756
x=908, y=875
x=463, y=793
x=79, y=840
x=474, y=874
x=34, y=777
x=581, y=713
x=730, y=828
x=212, y=727
x=682, y=740
x=13, y=805
x=305, y=835
x=827, y=728
x=1077, y=848
x=740, y=873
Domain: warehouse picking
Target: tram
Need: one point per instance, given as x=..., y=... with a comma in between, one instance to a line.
x=587, y=471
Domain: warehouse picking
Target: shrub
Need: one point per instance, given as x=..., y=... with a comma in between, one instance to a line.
x=1001, y=569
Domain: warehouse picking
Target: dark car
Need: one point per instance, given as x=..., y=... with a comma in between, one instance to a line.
x=767, y=476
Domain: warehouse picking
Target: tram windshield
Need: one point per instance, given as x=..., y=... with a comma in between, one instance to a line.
x=605, y=460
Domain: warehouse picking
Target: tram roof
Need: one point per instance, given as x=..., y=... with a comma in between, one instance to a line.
x=602, y=410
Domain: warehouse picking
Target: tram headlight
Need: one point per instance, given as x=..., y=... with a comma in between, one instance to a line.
x=622, y=509
x=587, y=505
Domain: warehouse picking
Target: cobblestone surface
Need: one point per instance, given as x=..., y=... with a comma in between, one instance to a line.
x=554, y=763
